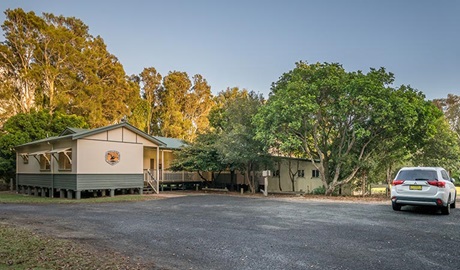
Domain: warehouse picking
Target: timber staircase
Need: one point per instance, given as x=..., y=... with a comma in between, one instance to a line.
x=151, y=185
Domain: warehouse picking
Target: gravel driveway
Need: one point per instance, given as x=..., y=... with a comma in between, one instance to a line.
x=230, y=232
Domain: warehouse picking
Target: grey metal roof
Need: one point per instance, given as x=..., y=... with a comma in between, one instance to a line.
x=78, y=133
x=171, y=143
x=49, y=139
x=71, y=130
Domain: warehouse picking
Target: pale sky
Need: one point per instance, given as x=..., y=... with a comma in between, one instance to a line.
x=251, y=43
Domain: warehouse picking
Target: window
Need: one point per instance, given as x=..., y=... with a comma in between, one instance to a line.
x=45, y=162
x=445, y=176
x=65, y=162
x=314, y=173
x=301, y=173
x=417, y=174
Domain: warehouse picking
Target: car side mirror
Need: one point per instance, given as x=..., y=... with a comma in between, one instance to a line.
x=453, y=180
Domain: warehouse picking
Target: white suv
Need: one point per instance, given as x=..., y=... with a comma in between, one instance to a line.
x=425, y=186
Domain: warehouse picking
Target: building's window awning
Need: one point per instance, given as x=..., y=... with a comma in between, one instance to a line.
x=39, y=153
x=60, y=150
x=36, y=155
x=25, y=157
x=66, y=152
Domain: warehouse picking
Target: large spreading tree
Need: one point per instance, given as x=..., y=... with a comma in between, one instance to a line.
x=338, y=119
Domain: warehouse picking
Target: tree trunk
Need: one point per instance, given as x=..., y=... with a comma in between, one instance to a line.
x=255, y=184
x=247, y=180
x=364, y=185
x=27, y=97
x=388, y=179
x=202, y=176
x=279, y=175
x=330, y=190
x=232, y=178
x=292, y=175
x=248, y=177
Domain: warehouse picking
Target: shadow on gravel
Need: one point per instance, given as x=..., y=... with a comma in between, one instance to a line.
x=422, y=210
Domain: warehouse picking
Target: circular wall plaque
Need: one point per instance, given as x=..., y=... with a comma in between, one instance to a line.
x=112, y=157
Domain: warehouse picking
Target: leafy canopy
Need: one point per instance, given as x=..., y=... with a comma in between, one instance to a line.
x=23, y=128
x=337, y=119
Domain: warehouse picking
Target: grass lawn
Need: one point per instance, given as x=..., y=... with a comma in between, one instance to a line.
x=9, y=197
x=378, y=190
x=23, y=249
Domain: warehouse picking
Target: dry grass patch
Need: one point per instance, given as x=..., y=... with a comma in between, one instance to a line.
x=24, y=249
x=9, y=197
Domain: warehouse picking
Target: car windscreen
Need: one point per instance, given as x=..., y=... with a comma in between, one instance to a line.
x=417, y=175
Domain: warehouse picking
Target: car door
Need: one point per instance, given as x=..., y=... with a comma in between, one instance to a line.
x=449, y=184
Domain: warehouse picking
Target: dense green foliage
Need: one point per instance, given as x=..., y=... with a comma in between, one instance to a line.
x=451, y=108
x=201, y=156
x=448, y=138
x=26, y=127
x=339, y=119
x=229, y=143
x=237, y=144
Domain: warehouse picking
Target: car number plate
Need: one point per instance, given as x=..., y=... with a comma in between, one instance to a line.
x=414, y=187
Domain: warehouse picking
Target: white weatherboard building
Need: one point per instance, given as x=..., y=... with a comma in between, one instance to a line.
x=116, y=157
x=293, y=174
x=121, y=158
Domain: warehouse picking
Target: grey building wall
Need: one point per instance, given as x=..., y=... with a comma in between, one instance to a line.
x=36, y=180
x=82, y=181
x=65, y=181
x=109, y=181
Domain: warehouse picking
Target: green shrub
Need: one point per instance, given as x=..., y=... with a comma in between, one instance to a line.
x=319, y=191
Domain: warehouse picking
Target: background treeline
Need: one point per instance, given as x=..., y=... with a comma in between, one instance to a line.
x=52, y=63
x=355, y=126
